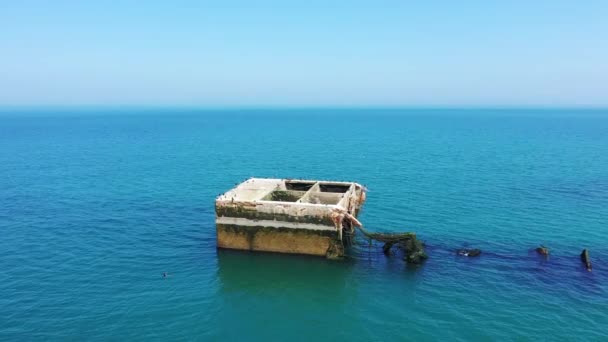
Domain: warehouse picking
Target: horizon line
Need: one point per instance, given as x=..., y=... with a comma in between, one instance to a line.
x=296, y=107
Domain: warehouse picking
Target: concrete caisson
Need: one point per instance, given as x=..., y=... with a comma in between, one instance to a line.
x=288, y=216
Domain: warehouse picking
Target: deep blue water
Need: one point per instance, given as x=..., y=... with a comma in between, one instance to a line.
x=96, y=204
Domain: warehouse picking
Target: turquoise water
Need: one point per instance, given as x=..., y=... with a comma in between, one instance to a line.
x=96, y=204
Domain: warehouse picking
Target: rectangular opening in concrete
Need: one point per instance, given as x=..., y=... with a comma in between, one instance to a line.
x=298, y=185
x=284, y=196
x=336, y=188
x=322, y=198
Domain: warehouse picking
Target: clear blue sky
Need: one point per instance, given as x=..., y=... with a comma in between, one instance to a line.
x=304, y=53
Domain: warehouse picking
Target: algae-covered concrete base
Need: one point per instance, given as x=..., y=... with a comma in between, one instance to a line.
x=271, y=239
x=288, y=216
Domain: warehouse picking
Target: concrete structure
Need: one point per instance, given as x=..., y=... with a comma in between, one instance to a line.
x=289, y=216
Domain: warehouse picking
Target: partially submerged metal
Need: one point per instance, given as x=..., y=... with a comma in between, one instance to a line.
x=586, y=259
x=289, y=216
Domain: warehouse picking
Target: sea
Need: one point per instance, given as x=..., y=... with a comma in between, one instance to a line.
x=96, y=203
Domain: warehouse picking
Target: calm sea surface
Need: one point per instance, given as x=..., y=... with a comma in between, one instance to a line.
x=96, y=204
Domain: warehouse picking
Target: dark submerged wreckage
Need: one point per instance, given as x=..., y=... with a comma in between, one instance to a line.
x=542, y=250
x=413, y=248
x=586, y=259
x=468, y=252
x=300, y=217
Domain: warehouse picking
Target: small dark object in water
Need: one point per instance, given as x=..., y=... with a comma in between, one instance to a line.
x=387, y=248
x=165, y=274
x=469, y=252
x=586, y=259
x=542, y=250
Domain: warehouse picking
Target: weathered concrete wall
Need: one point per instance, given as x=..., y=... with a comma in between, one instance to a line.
x=264, y=227
x=272, y=239
x=289, y=213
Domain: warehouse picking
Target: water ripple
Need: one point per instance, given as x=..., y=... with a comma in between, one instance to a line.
x=93, y=209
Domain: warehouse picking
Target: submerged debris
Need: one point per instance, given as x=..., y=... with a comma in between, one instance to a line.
x=413, y=248
x=387, y=248
x=542, y=250
x=469, y=252
x=414, y=251
x=586, y=259
x=335, y=251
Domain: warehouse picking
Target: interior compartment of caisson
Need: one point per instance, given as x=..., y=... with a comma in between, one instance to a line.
x=322, y=198
x=299, y=185
x=336, y=188
x=284, y=196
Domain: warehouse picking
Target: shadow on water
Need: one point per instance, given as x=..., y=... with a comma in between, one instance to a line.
x=242, y=272
x=302, y=289
x=555, y=271
x=262, y=272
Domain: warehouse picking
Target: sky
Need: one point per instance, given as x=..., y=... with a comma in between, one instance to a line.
x=304, y=53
